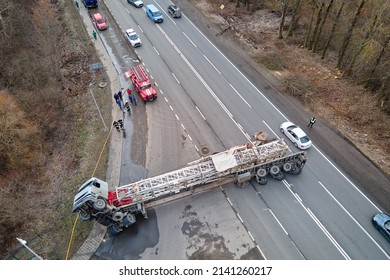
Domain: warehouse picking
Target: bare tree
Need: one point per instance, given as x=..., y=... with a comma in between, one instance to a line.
x=349, y=34
x=378, y=59
x=293, y=22
x=318, y=21
x=306, y=43
x=314, y=47
x=284, y=4
x=333, y=29
x=363, y=43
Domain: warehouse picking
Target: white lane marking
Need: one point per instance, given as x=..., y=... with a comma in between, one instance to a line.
x=177, y=80
x=140, y=29
x=216, y=69
x=318, y=222
x=277, y=220
x=356, y=222
x=240, y=95
x=156, y=51
x=190, y=40
x=203, y=81
x=200, y=112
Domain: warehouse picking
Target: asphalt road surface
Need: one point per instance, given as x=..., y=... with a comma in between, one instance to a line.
x=211, y=97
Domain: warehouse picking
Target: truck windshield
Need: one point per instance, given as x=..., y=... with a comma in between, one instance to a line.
x=157, y=14
x=145, y=87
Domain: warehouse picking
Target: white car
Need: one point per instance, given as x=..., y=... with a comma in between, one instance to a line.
x=134, y=39
x=296, y=135
x=136, y=3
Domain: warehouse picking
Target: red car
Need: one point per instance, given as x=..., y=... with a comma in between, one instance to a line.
x=100, y=22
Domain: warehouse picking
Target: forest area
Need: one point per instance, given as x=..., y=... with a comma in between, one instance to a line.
x=333, y=55
x=45, y=143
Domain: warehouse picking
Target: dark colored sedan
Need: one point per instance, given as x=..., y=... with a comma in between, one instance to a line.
x=381, y=222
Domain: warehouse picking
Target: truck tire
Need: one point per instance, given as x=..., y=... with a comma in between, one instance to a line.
x=84, y=216
x=128, y=220
x=296, y=170
x=274, y=170
x=117, y=216
x=261, y=172
x=114, y=229
x=104, y=220
x=262, y=180
x=287, y=167
x=99, y=204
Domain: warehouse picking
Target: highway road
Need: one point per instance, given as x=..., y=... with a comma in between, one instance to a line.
x=206, y=105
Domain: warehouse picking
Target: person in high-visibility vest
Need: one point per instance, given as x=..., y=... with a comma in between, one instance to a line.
x=312, y=121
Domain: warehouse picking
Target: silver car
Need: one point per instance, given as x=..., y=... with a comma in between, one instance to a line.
x=296, y=135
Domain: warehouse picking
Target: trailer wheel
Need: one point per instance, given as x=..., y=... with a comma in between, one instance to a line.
x=84, y=216
x=114, y=229
x=279, y=176
x=99, y=204
x=297, y=170
x=261, y=172
x=274, y=170
x=104, y=220
x=128, y=220
x=287, y=167
x=262, y=180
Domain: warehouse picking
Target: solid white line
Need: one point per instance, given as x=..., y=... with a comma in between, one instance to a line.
x=356, y=222
x=200, y=112
x=240, y=95
x=190, y=40
x=261, y=252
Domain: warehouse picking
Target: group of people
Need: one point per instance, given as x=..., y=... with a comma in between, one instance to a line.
x=119, y=99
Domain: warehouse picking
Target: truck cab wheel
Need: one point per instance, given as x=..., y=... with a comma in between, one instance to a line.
x=99, y=204
x=114, y=229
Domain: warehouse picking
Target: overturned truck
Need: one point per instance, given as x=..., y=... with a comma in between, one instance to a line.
x=118, y=209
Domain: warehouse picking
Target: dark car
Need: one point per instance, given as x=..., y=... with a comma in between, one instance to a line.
x=174, y=11
x=381, y=222
x=136, y=3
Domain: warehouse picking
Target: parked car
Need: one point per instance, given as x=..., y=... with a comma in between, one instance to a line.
x=174, y=11
x=381, y=222
x=296, y=135
x=136, y=3
x=133, y=38
x=99, y=21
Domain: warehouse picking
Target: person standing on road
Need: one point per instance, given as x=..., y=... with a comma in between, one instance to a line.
x=94, y=34
x=134, y=100
x=129, y=95
x=118, y=101
x=312, y=121
x=120, y=95
x=116, y=125
x=77, y=4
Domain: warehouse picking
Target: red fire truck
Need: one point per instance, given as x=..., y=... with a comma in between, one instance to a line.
x=141, y=82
